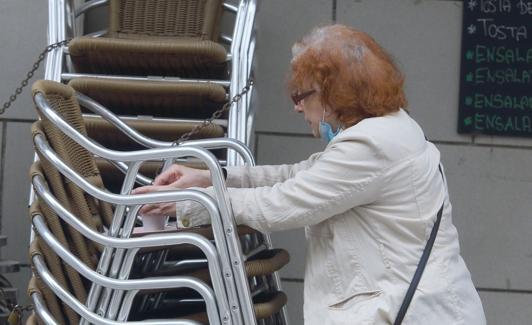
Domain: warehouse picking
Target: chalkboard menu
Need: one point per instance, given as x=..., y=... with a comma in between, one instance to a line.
x=496, y=70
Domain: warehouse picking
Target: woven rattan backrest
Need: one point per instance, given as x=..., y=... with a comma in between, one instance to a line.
x=164, y=18
x=69, y=238
x=52, y=304
x=62, y=99
x=61, y=310
x=73, y=199
x=106, y=133
x=188, y=100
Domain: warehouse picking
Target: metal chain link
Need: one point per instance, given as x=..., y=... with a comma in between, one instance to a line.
x=217, y=114
x=30, y=74
x=16, y=312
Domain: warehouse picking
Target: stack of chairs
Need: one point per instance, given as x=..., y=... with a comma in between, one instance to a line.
x=165, y=60
x=131, y=91
x=83, y=232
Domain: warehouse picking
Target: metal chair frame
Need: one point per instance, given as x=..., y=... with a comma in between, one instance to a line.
x=39, y=306
x=209, y=203
x=134, y=159
x=239, y=147
x=62, y=18
x=65, y=296
x=134, y=286
x=133, y=244
x=63, y=15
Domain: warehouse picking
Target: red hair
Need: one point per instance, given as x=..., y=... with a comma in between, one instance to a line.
x=356, y=78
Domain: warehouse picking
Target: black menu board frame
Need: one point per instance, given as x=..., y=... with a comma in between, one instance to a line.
x=496, y=68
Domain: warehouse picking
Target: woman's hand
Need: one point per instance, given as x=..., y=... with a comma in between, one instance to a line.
x=183, y=177
x=156, y=209
x=175, y=177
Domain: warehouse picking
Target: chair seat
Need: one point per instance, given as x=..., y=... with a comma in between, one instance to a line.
x=178, y=57
x=108, y=135
x=265, y=305
x=269, y=262
x=158, y=99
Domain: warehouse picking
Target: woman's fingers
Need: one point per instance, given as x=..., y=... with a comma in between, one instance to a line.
x=149, y=209
x=158, y=209
x=183, y=177
x=164, y=179
x=144, y=189
x=168, y=176
x=146, y=209
x=153, y=188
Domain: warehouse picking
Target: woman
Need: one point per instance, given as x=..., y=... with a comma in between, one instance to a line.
x=368, y=202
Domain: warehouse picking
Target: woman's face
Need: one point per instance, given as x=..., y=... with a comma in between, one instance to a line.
x=313, y=110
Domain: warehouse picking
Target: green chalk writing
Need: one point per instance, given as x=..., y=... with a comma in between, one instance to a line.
x=485, y=122
x=501, y=54
x=502, y=76
x=499, y=101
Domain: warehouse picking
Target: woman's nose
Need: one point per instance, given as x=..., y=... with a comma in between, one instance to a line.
x=298, y=108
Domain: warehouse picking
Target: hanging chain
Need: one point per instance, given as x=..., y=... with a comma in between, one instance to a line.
x=216, y=115
x=30, y=74
x=15, y=317
x=16, y=311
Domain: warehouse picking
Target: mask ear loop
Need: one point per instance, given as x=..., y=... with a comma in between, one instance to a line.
x=323, y=121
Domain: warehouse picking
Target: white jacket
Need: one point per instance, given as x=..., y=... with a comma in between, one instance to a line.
x=368, y=204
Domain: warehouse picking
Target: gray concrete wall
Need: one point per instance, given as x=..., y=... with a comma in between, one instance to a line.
x=489, y=178
x=23, y=37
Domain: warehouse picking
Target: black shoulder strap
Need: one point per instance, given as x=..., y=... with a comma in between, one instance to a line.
x=421, y=266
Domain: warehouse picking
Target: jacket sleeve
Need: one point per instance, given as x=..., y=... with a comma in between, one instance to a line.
x=346, y=175
x=266, y=175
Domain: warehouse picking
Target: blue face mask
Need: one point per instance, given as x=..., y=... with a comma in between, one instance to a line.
x=326, y=132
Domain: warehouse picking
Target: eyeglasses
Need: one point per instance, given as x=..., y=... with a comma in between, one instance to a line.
x=298, y=97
